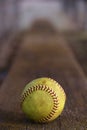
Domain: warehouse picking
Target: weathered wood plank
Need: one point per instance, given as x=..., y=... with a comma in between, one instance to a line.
x=79, y=48
x=50, y=57
x=9, y=45
x=7, y=49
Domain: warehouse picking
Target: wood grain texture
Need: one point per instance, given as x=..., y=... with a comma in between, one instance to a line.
x=49, y=57
x=8, y=46
x=79, y=48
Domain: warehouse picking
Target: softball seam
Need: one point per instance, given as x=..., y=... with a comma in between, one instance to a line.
x=56, y=83
x=49, y=91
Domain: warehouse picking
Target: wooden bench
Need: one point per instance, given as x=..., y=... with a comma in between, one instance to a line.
x=39, y=57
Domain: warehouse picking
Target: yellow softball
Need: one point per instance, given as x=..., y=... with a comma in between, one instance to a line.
x=43, y=100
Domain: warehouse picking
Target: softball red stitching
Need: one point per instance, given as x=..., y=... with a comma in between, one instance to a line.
x=63, y=92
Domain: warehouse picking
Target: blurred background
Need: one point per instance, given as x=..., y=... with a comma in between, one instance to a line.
x=32, y=18
x=63, y=14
